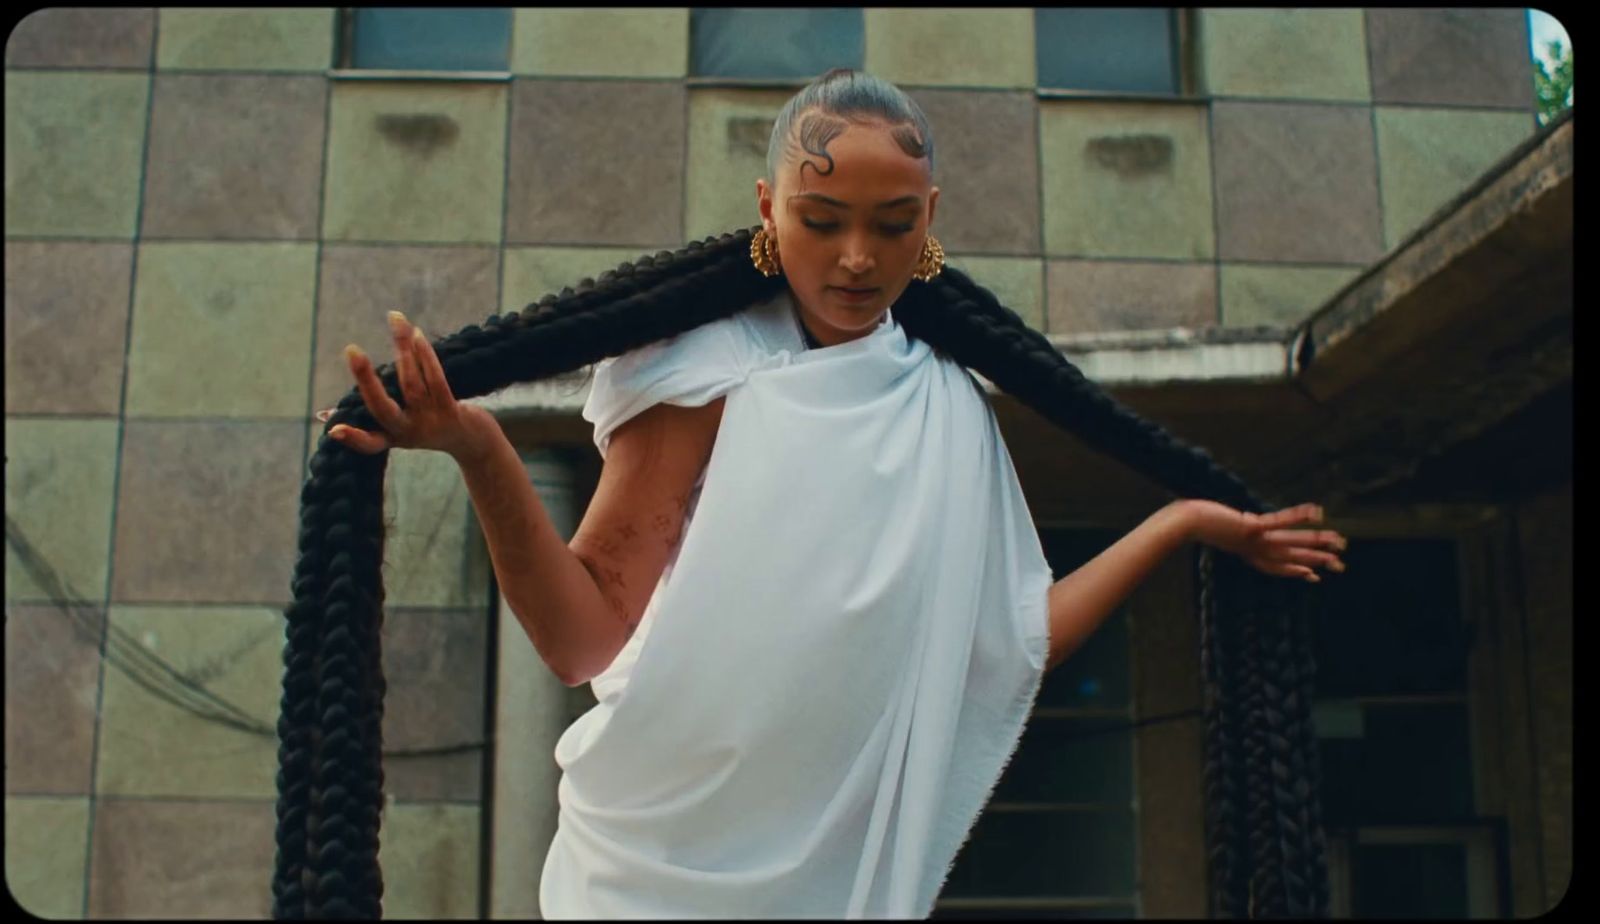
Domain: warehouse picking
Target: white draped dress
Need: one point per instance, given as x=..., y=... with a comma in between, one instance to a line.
x=841, y=654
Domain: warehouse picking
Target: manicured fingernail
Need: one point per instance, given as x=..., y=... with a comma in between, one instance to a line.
x=416, y=332
x=353, y=353
x=324, y=414
x=397, y=321
x=1313, y=579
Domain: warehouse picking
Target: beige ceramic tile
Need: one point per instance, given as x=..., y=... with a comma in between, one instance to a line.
x=1277, y=296
x=729, y=131
x=1094, y=296
x=150, y=746
x=221, y=330
x=430, y=861
x=65, y=300
x=59, y=482
x=1295, y=54
x=1426, y=157
x=434, y=554
x=182, y=860
x=601, y=42
x=74, y=144
x=531, y=273
x=418, y=163
x=45, y=841
x=246, y=39
x=951, y=47
x=1018, y=282
x=1126, y=180
x=82, y=38
x=52, y=697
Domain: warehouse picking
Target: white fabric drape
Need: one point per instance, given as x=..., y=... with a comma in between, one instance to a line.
x=840, y=657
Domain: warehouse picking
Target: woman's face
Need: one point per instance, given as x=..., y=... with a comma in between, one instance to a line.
x=860, y=227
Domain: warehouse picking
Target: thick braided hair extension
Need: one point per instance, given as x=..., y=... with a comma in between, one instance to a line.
x=1264, y=839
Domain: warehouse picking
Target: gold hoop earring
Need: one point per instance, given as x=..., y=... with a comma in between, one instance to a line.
x=930, y=262
x=764, y=254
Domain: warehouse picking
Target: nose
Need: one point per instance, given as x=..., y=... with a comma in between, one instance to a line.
x=856, y=259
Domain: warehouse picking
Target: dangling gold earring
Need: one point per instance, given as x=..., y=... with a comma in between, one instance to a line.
x=930, y=262
x=764, y=253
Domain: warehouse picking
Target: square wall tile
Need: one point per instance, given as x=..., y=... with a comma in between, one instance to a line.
x=221, y=330
x=1018, y=282
x=951, y=47
x=531, y=273
x=729, y=130
x=1461, y=57
x=601, y=42
x=235, y=157
x=1295, y=54
x=439, y=289
x=65, y=300
x=246, y=39
x=430, y=861
x=596, y=162
x=151, y=747
x=1296, y=184
x=59, y=482
x=74, y=144
x=208, y=512
x=146, y=863
x=82, y=38
x=434, y=553
x=52, y=697
x=1278, y=296
x=1426, y=157
x=416, y=162
x=986, y=165
x=46, y=843
x=434, y=662
x=1095, y=296
x=1126, y=180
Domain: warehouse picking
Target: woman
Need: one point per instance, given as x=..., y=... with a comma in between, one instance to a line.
x=805, y=699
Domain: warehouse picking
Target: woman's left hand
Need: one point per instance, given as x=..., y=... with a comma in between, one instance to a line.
x=1266, y=540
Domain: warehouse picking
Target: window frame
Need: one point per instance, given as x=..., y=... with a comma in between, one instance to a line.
x=343, y=67
x=1184, y=57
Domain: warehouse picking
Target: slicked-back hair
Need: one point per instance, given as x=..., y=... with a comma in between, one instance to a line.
x=1265, y=846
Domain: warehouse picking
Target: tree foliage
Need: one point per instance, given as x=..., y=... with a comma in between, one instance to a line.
x=1553, y=84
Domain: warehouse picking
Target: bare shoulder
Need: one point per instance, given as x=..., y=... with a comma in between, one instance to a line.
x=636, y=516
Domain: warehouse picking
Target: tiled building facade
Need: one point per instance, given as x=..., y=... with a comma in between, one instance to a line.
x=201, y=211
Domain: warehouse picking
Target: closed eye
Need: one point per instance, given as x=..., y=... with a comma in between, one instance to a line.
x=832, y=226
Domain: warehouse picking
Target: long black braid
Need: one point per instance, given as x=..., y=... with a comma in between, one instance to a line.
x=1260, y=746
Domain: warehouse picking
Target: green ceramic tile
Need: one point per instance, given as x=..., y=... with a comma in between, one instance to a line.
x=59, y=482
x=221, y=330
x=1018, y=283
x=1126, y=180
x=533, y=272
x=951, y=47
x=728, y=135
x=245, y=39
x=430, y=861
x=434, y=553
x=416, y=163
x=601, y=42
x=1277, y=296
x=45, y=855
x=150, y=746
x=74, y=142
x=1290, y=54
x=1426, y=157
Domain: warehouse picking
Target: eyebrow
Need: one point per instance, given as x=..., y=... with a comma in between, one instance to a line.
x=903, y=200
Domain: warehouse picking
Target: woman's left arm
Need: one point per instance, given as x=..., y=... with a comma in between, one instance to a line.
x=1082, y=600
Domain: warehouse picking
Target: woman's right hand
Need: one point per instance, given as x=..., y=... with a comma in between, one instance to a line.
x=431, y=419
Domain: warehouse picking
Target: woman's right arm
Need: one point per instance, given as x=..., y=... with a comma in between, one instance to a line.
x=580, y=604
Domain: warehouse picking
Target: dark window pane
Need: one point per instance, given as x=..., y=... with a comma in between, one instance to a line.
x=747, y=42
x=441, y=39
x=1071, y=760
x=1412, y=765
x=1073, y=853
x=1392, y=623
x=1096, y=675
x=1128, y=50
x=1409, y=881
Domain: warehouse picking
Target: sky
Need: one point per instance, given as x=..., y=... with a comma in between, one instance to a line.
x=1543, y=28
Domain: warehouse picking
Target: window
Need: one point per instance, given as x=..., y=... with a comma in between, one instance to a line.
x=1126, y=50
x=773, y=44
x=1058, y=837
x=423, y=39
